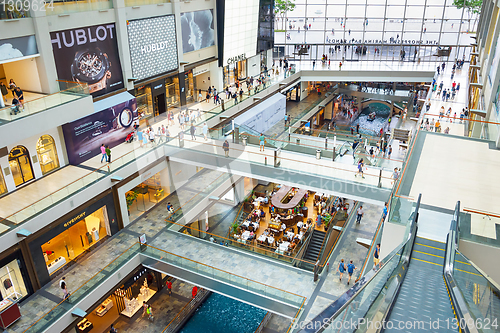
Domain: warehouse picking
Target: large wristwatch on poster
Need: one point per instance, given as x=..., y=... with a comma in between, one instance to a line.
x=91, y=67
x=126, y=117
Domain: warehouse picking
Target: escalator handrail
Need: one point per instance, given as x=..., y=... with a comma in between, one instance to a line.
x=335, y=309
x=464, y=316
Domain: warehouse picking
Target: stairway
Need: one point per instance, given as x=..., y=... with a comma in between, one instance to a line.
x=313, y=249
x=423, y=298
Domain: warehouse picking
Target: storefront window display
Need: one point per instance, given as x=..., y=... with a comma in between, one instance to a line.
x=20, y=165
x=82, y=232
x=235, y=71
x=190, y=87
x=11, y=281
x=123, y=302
x=47, y=154
x=173, y=92
x=144, y=102
x=3, y=188
x=145, y=196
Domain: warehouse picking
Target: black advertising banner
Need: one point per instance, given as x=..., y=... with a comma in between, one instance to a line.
x=89, y=55
x=109, y=127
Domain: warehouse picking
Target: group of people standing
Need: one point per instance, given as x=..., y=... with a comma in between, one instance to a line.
x=17, y=96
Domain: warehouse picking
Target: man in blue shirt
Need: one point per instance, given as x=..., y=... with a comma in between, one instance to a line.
x=350, y=270
x=384, y=214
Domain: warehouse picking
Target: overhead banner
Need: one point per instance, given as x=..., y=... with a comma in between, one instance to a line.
x=110, y=127
x=197, y=30
x=153, y=46
x=19, y=47
x=89, y=55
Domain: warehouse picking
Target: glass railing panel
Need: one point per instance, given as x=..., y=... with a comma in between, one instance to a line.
x=11, y=113
x=76, y=296
x=482, y=298
x=15, y=10
x=480, y=228
x=401, y=210
x=58, y=7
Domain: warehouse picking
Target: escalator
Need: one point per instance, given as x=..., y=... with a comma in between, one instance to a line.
x=423, y=298
x=422, y=286
x=313, y=249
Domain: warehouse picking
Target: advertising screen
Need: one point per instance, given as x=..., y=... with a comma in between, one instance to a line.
x=197, y=30
x=17, y=47
x=153, y=46
x=89, y=55
x=110, y=127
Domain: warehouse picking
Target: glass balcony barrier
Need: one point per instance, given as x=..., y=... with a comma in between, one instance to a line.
x=133, y=3
x=60, y=7
x=14, y=220
x=12, y=10
x=475, y=296
x=70, y=91
x=112, y=268
x=373, y=177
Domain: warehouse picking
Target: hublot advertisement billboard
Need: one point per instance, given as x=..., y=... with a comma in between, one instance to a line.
x=89, y=55
x=153, y=46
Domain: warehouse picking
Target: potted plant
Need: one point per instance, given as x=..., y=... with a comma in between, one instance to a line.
x=130, y=198
x=234, y=227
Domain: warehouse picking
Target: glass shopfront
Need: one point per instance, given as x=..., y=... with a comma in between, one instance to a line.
x=145, y=196
x=83, y=232
x=47, y=154
x=11, y=281
x=173, y=91
x=190, y=86
x=144, y=102
x=235, y=71
x=3, y=188
x=20, y=165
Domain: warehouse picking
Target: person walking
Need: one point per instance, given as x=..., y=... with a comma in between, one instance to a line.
x=350, y=270
x=314, y=63
x=151, y=137
x=205, y=131
x=103, y=153
x=262, y=141
x=144, y=308
x=113, y=329
x=361, y=164
x=169, y=287
x=395, y=175
x=389, y=151
x=376, y=255
x=341, y=269
x=360, y=212
x=64, y=288
x=144, y=138
x=225, y=147
x=108, y=154
x=385, y=211
x=192, y=130
x=150, y=313
x=340, y=65
x=286, y=119
x=4, y=91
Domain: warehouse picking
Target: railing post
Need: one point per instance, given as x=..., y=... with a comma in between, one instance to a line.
x=326, y=143
x=380, y=179
x=333, y=159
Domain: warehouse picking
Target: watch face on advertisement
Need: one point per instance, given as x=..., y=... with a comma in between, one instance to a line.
x=89, y=66
x=126, y=117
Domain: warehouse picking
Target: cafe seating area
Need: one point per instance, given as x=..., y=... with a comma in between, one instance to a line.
x=282, y=220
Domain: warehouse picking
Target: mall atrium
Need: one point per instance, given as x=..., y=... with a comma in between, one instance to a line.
x=246, y=166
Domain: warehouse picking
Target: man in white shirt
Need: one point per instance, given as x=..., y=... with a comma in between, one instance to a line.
x=300, y=224
x=360, y=213
x=152, y=137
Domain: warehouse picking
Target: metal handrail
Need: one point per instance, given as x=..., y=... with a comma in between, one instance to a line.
x=465, y=318
x=174, y=324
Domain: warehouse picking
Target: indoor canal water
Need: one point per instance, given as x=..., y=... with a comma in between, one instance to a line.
x=368, y=127
x=222, y=314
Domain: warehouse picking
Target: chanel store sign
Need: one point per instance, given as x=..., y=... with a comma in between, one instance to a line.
x=153, y=46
